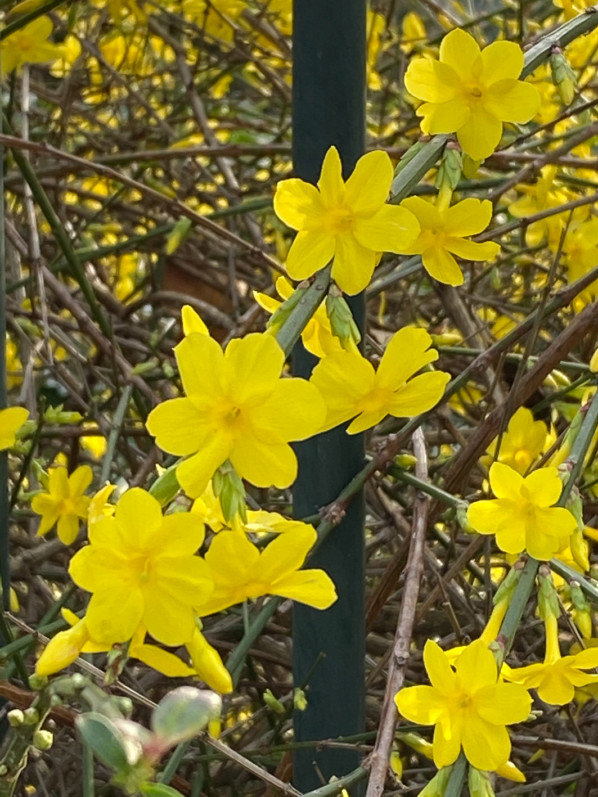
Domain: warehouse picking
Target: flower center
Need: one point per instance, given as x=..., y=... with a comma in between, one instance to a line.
x=254, y=589
x=340, y=220
x=377, y=399
x=474, y=93
x=464, y=701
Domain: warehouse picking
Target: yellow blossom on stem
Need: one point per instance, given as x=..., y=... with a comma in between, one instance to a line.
x=471, y=92
x=348, y=223
x=444, y=232
x=141, y=570
x=236, y=407
x=66, y=646
x=523, y=516
x=351, y=386
x=64, y=502
x=467, y=705
x=11, y=420
x=317, y=336
x=259, y=521
x=241, y=571
x=523, y=442
x=558, y=676
x=28, y=45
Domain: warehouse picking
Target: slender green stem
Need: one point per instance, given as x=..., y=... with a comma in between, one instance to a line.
x=337, y=786
x=426, y=487
x=291, y=330
x=87, y=785
x=119, y=417
x=173, y=764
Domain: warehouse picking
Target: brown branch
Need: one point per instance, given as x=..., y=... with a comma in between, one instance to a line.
x=585, y=322
x=402, y=641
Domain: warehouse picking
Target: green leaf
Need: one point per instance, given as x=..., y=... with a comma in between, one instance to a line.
x=183, y=713
x=103, y=738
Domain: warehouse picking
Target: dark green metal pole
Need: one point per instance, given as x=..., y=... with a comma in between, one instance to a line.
x=329, y=647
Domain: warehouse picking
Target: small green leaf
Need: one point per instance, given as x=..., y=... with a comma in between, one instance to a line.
x=183, y=713
x=103, y=738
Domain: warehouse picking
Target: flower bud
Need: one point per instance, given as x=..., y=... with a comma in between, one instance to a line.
x=43, y=740
x=15, y=718
x=341, y=319
x=563, y=76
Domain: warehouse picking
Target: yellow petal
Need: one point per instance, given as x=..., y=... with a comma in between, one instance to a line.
x=353, y=264
x=264, y=464
x=311, y=587
x=543, y=487
x=406, y=352
x=421, y=704
x=440, y=672
x=192, y=322
x=419, y=395
x=139, y=515
x=512, y=101
x=441, y=265
x=468, y=217
x=389, y=229
x=193, y=474
x=199, y=358
x=481, y=134
x=368, y=186
x=430, y=80
x=331, y=184
x=476, y=666
x=253, y=367
x=503, y=704
x=501, y=60
x=294, y=411
x=505, y=482
x=62, y=649
x=460, y=50
x=309, y=252
x=446, y=743
x=178, y=426
x=298, y=204
x=485, y=746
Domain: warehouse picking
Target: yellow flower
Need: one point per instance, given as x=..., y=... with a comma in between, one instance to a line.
x=317, y=335
x=241, y=571
x=28, y=45
x=558, y=676
x=351, y=386
x=141, y=570
x=11, y=420
x=443, y=234
x=466, y=705
x=522, y=516
x=471, y=93
x=580, y=249
x=545, y=194
x=348, y=223
x=237, y=407
x=66, y=646
x=522, y=443
x=64, y=502
x=209, y=510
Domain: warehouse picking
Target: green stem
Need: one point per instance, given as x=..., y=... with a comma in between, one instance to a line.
x=337, y=786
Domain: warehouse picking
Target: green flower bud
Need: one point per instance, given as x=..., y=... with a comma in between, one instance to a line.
x=43, y=740
x=15, y=718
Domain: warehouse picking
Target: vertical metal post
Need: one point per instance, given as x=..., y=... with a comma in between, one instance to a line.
x=329, y=42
